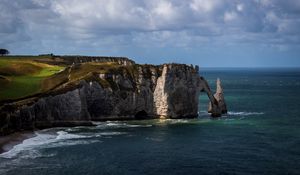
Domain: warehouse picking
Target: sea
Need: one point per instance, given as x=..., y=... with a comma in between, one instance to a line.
x=259, y=135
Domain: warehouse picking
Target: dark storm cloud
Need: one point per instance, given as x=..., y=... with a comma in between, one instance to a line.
x=15, y=20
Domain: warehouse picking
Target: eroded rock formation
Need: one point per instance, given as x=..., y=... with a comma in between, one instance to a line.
x=219, y=96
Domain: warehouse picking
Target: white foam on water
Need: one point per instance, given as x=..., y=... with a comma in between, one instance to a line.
x=73, y=142
x=234, y=113
x=63, y=135
x=110, y=133
x=29, y=144
x=175, y=121
x=54, y=139
x=118, y=124
x=138, y=126
x=231, y=113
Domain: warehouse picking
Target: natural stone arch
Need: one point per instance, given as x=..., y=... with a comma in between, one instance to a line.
x=215, y=109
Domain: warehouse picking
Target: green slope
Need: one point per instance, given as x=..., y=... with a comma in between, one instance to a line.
x=23, y=76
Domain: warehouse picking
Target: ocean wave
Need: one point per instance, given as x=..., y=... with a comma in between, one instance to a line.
x=231, y=113
x=29, y=144
x=63, y=135
x=234, y=113
x=118, y=124
x=53, y=139
x=110, y=133
x=174, y=121
x=72, y=142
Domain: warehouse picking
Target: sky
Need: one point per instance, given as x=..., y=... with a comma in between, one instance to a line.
x=210, y=33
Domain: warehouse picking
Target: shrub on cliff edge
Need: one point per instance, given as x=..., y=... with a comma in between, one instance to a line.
x=4, y=52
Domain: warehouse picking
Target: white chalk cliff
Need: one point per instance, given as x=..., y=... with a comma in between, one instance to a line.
x=164, y=91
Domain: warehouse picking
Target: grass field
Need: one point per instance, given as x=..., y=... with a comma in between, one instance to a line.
x=22, y=76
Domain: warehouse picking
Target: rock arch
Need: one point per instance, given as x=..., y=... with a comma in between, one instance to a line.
x=214, y=107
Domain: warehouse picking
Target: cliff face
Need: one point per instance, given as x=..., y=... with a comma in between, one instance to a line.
x=167, y=91
x=177, y=91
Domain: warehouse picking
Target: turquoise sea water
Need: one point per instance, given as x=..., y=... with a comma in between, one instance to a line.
x=260, y=135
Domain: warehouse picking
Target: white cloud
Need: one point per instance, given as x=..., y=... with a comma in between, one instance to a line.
x=165, y=9
x=152, y=22
x=204, y=5
x=230, y=16
x=240, y=7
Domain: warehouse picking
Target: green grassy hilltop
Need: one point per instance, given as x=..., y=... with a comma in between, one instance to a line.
x=23, y=76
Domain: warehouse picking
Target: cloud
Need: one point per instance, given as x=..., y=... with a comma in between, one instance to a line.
x=204, y=5
x=230, y=16
x=239, y=7
x=45, y=25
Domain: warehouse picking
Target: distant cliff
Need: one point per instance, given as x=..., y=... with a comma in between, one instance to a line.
x=89, y=91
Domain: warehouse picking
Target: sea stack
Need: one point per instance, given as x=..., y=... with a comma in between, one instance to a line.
x=219, y=96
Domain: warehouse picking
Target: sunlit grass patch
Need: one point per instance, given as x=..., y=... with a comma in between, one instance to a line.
x=23, y=76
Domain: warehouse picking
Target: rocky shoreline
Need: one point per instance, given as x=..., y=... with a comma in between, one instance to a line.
x=9, y=141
